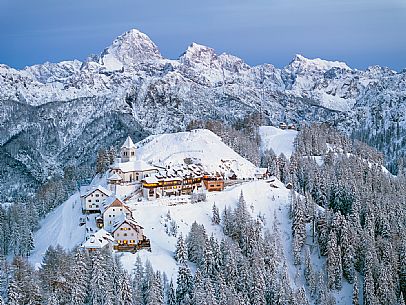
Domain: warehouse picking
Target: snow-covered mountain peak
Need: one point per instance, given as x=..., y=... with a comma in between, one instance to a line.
x=378, y=71
x=303, y=64
x=130, y=49
x=198, y=53
x=53, y=72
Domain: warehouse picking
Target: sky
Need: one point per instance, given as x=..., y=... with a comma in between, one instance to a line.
x=359, y=32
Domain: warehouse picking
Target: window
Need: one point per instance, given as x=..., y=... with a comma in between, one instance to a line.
x=97, y=200
x=132, y=153
x=109, y=215
x=97, y=195
x=113, y=210
x=89, y=200
x=118, y=234
x=125, y=234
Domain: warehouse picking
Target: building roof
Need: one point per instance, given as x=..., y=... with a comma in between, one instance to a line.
x=114, y=201
x=128, y=143
x=98, y=240
x=261, y=171
x=115, y=177
x=151, y=179
x=134, y=166
x=87, y=191
x=131, y=222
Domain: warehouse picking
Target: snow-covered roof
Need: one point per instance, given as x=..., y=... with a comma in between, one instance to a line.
x=88, y=191
x=134, y=166
x=151, y=179
x=99, y=240
x=128, y=143
x=114, y=201
x=131, y=222
x=261, y=171
x=115, y=177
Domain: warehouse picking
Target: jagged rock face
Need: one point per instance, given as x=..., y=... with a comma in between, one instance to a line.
x=60, y=113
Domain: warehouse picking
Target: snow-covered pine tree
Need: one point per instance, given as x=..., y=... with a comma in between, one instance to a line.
x=125, y=296
x=181, y=251
x=196, y=241
x=334, y=271
x=79, y=279
x=185, y=286
x=298, y=228
x=13, y=293
x=309, y=274
x=347, y=250
x=170, y=294
x=355, y=292
x=215, y=215
x=137, y=282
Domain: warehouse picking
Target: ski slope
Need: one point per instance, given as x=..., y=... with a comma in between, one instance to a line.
x=280, y=141
x=201, y=146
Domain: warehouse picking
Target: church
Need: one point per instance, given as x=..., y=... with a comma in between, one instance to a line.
x=127, y=169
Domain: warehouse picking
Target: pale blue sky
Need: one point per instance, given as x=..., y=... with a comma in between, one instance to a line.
x=359, y=32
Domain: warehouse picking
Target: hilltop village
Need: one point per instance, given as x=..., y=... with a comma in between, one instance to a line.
x=110, y=222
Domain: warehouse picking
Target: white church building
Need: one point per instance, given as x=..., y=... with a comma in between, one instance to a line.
x=128, y=168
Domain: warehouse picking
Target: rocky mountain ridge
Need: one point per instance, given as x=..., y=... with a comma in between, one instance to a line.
x=59, y=114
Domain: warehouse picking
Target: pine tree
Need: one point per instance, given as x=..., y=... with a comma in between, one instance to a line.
x=170, y=295
x=355, y=292
x=184, y=289
x=347, y=251
x=369, y=290
x=216, y=216
x=125, y=296
x=52, y=299
x=334, y=271
x=13, y=293
x=181, y=252
x=298, y=228
x=309, y=274
x=79, y=279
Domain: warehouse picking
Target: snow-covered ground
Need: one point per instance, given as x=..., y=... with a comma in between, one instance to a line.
x=281, y=141
x=61, y=227
x=260, y=198
x=201, y=146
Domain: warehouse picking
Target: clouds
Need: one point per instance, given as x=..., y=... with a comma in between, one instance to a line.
x=359, y=32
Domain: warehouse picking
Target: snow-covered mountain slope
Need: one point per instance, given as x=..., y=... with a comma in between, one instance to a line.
x=60, y=227
x=199, y=146
x=280, y=141
x=53, y=112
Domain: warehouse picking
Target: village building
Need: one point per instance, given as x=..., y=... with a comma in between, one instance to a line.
x=113, y=181
x=129, y=236
x=283, y=125
x=98, y=241
x=93, y=198
x=182, y=180
x=115, y=211
x=128, y=168
x=261, y=173
x=213, y=183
